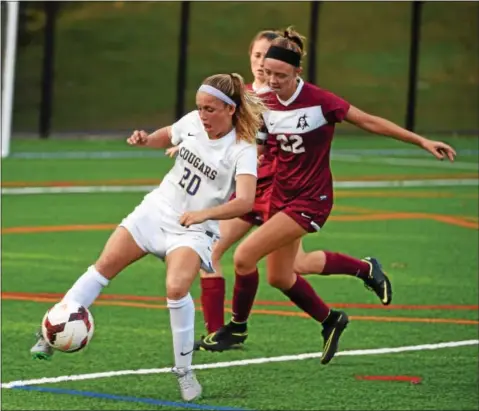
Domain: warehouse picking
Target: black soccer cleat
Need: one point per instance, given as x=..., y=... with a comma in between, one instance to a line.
x=228, y=337
x=378, y=281
x=333, y=327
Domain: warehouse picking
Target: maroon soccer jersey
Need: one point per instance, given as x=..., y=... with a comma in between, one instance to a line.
x=303, y=128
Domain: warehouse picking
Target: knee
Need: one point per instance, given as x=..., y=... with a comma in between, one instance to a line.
x=282, y=283
x=175, y=290
x=244, y=261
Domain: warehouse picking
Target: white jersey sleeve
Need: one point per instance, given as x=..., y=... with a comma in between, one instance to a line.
x=247, y=162
x=179, y=128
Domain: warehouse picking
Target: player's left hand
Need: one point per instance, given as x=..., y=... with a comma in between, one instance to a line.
x=193, y=217
x=439, y=150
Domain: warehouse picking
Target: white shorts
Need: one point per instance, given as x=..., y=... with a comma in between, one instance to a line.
x=147, y=227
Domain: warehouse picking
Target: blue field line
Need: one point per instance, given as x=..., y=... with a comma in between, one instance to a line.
x=152, y=401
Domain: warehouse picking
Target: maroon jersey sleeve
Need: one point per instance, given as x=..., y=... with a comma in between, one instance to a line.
x=334, y=107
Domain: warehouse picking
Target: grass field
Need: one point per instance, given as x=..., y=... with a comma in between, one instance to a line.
x=116, y=62
x=426, y=237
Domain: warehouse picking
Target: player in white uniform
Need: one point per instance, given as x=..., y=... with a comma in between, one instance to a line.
x=177, y=221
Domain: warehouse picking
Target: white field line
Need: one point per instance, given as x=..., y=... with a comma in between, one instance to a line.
x=228, y=364
x=146, y=188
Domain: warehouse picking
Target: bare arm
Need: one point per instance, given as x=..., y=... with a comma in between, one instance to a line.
x=160, y=138
x=242, y=204
x=379, y=125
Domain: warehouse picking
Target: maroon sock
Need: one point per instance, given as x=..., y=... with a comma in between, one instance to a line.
x=245, y=290
x=304, y=296
x=337, y=263
x=213, y=302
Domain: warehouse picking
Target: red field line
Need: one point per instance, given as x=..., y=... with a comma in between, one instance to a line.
x=154, y=181
x=453, y=220
x=266, y=312
x=407, y=378
x=463, y=221
x=456, y=219
x=133, y=298
x=375, y=318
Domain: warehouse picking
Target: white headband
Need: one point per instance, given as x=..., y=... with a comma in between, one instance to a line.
x=217, y=93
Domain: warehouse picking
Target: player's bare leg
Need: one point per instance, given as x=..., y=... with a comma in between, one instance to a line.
x=183, y=265
x=120, y=251
x=300, y=292
x=278, y=238
x=213, y=285
x=369, y=269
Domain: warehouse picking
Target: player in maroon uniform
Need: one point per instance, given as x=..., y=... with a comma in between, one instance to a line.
x=320, y=262
x=302, y=120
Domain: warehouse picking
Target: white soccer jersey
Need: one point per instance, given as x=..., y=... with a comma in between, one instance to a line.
x=204, y=173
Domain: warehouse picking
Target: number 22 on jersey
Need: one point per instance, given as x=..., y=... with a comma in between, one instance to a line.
x=292, y=144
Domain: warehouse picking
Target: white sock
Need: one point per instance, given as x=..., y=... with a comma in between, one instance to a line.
x=87, y=288
x=182, y=319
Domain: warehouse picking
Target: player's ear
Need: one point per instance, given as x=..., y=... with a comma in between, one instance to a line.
x=299, y=70
x=231, y=109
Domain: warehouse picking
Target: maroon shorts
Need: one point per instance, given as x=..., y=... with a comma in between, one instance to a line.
x=259, y=214
x=311, y=216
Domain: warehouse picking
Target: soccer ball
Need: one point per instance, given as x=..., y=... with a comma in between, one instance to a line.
x=68, y=327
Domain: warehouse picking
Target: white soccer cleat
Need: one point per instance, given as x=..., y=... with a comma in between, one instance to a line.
x=41, y=350
x=189, y=386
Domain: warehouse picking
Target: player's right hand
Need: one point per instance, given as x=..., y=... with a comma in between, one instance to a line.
x=439, y=149
x=171, y=152
x=138, y=138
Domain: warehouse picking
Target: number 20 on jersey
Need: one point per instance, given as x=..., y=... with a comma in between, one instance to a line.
x=190, y=182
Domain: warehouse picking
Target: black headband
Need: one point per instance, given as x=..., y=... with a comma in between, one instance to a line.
x=280, y=53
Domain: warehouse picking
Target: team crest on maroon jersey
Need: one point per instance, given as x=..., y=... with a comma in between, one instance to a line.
x=302, y=122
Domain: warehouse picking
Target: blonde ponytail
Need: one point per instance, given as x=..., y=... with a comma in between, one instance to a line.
x=247, y=117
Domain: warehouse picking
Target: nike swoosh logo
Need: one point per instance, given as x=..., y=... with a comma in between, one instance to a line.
x=305, y=216
x=186, y=353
